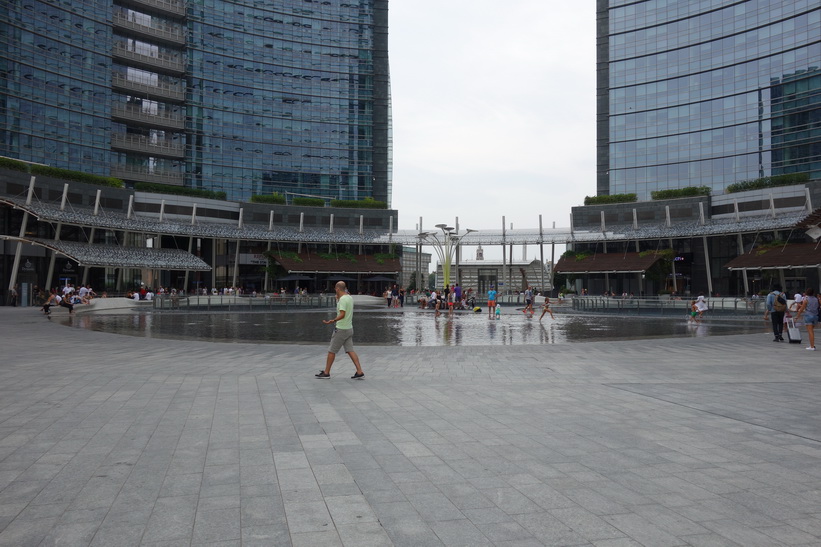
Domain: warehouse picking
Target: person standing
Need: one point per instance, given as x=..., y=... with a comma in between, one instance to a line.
x=775, y=306
x=809, y=309
x=546, y=308
x=529, y=301
x=343, y=333
x=491, y=302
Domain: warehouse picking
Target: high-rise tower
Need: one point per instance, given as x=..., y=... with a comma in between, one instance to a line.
x=242, y=97
x=706, y=92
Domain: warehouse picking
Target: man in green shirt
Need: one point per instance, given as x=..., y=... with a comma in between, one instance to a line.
x=343, y=333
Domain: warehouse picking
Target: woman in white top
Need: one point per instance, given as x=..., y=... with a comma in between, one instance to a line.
x=809, y=310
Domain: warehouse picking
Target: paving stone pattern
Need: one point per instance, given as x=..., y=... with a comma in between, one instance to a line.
x=110, y=440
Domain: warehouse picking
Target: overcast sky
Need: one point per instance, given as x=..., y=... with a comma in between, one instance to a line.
x=493, y=111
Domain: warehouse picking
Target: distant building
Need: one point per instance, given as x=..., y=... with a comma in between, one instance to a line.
x=480, y=275
x=409, y=266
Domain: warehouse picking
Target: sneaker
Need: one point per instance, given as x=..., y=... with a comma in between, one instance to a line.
x=358, y=376
x=810, y=348
x=322, y=374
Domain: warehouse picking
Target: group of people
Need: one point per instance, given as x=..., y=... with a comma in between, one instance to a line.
x=805, y=306
x=452, y=297
x=68, y=297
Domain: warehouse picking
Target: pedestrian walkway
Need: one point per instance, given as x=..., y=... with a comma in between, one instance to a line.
x=110, y=440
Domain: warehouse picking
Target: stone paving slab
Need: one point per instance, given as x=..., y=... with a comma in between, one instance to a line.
x=115, y=440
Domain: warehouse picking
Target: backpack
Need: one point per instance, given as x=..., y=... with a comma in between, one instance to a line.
x=780, y=304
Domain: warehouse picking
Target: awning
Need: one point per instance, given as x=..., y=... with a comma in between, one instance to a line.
x=305, y=263
x=607, y=263
x=296, y=277
x=783, y=257
x=380, y=278
x=115, y=256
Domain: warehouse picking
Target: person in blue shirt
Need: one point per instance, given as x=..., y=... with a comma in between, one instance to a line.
x=491, y=302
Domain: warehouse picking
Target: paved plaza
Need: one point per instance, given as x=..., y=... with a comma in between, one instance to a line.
x=112, y=440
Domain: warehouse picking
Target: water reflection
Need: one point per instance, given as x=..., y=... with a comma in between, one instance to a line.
x=402, y=327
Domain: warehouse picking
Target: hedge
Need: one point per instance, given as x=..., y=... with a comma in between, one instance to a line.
x=276, y=199
x=687, y=192
x=78, y=176
x=308, y=202
x=367, y=203
x=768, y=182
x=178, y=190
x=613, y=198
x=8, y=163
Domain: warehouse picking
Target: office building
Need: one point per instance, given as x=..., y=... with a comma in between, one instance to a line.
x=706, y=93
x=240, y=97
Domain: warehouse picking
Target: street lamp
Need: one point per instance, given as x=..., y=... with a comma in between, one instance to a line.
x=445, y=245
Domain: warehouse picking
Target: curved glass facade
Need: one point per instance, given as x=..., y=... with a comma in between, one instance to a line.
x=55, y=72
x=286, y=97
x=707, y=93
x=247, y=97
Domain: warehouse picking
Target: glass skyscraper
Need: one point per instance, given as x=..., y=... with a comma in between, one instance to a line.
x=247, y=97
x=706, y=92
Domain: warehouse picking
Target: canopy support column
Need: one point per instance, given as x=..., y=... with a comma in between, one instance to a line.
x=19, y=253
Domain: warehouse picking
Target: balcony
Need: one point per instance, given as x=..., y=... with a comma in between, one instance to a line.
x=134, y=116
x=173, y=35
x=144, y=145
x=175, y=8
x=163, y=62
x=137, y=174
x=174, y=93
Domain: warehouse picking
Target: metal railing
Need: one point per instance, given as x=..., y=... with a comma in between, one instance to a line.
x=172, y=120
x=174, y=35
x=238, y=303
x=143, y=175
x=165, y=91
x=139, y=143
x=161, y=60
x=664, y=305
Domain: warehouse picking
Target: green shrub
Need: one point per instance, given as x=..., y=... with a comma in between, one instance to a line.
x=687, y=192
x=613, y=198
x=768, y=182
x=16, y=165
x=275, y=198
x=338, y=256
x=367, y=203
x=308, y=202
x=78, y=176
x=178, y=190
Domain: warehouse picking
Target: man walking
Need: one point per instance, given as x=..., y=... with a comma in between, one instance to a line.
x=343, y=333
x=776, y=305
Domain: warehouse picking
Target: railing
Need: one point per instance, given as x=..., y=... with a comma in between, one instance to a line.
x=167, y=6
x=165, y=91
x=160, y=119
x=139, y=143
x=664, y=305
x=242, y=303
x=142, y=175
x=173, y=35
x=162, y=61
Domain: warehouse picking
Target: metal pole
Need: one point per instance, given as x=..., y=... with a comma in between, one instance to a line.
x=541, y=254
x=504, y=250
x=57, y=231
x=707, y=266
x=19, y=252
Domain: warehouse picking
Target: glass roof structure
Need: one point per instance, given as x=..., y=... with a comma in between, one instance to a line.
x=85, y=217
